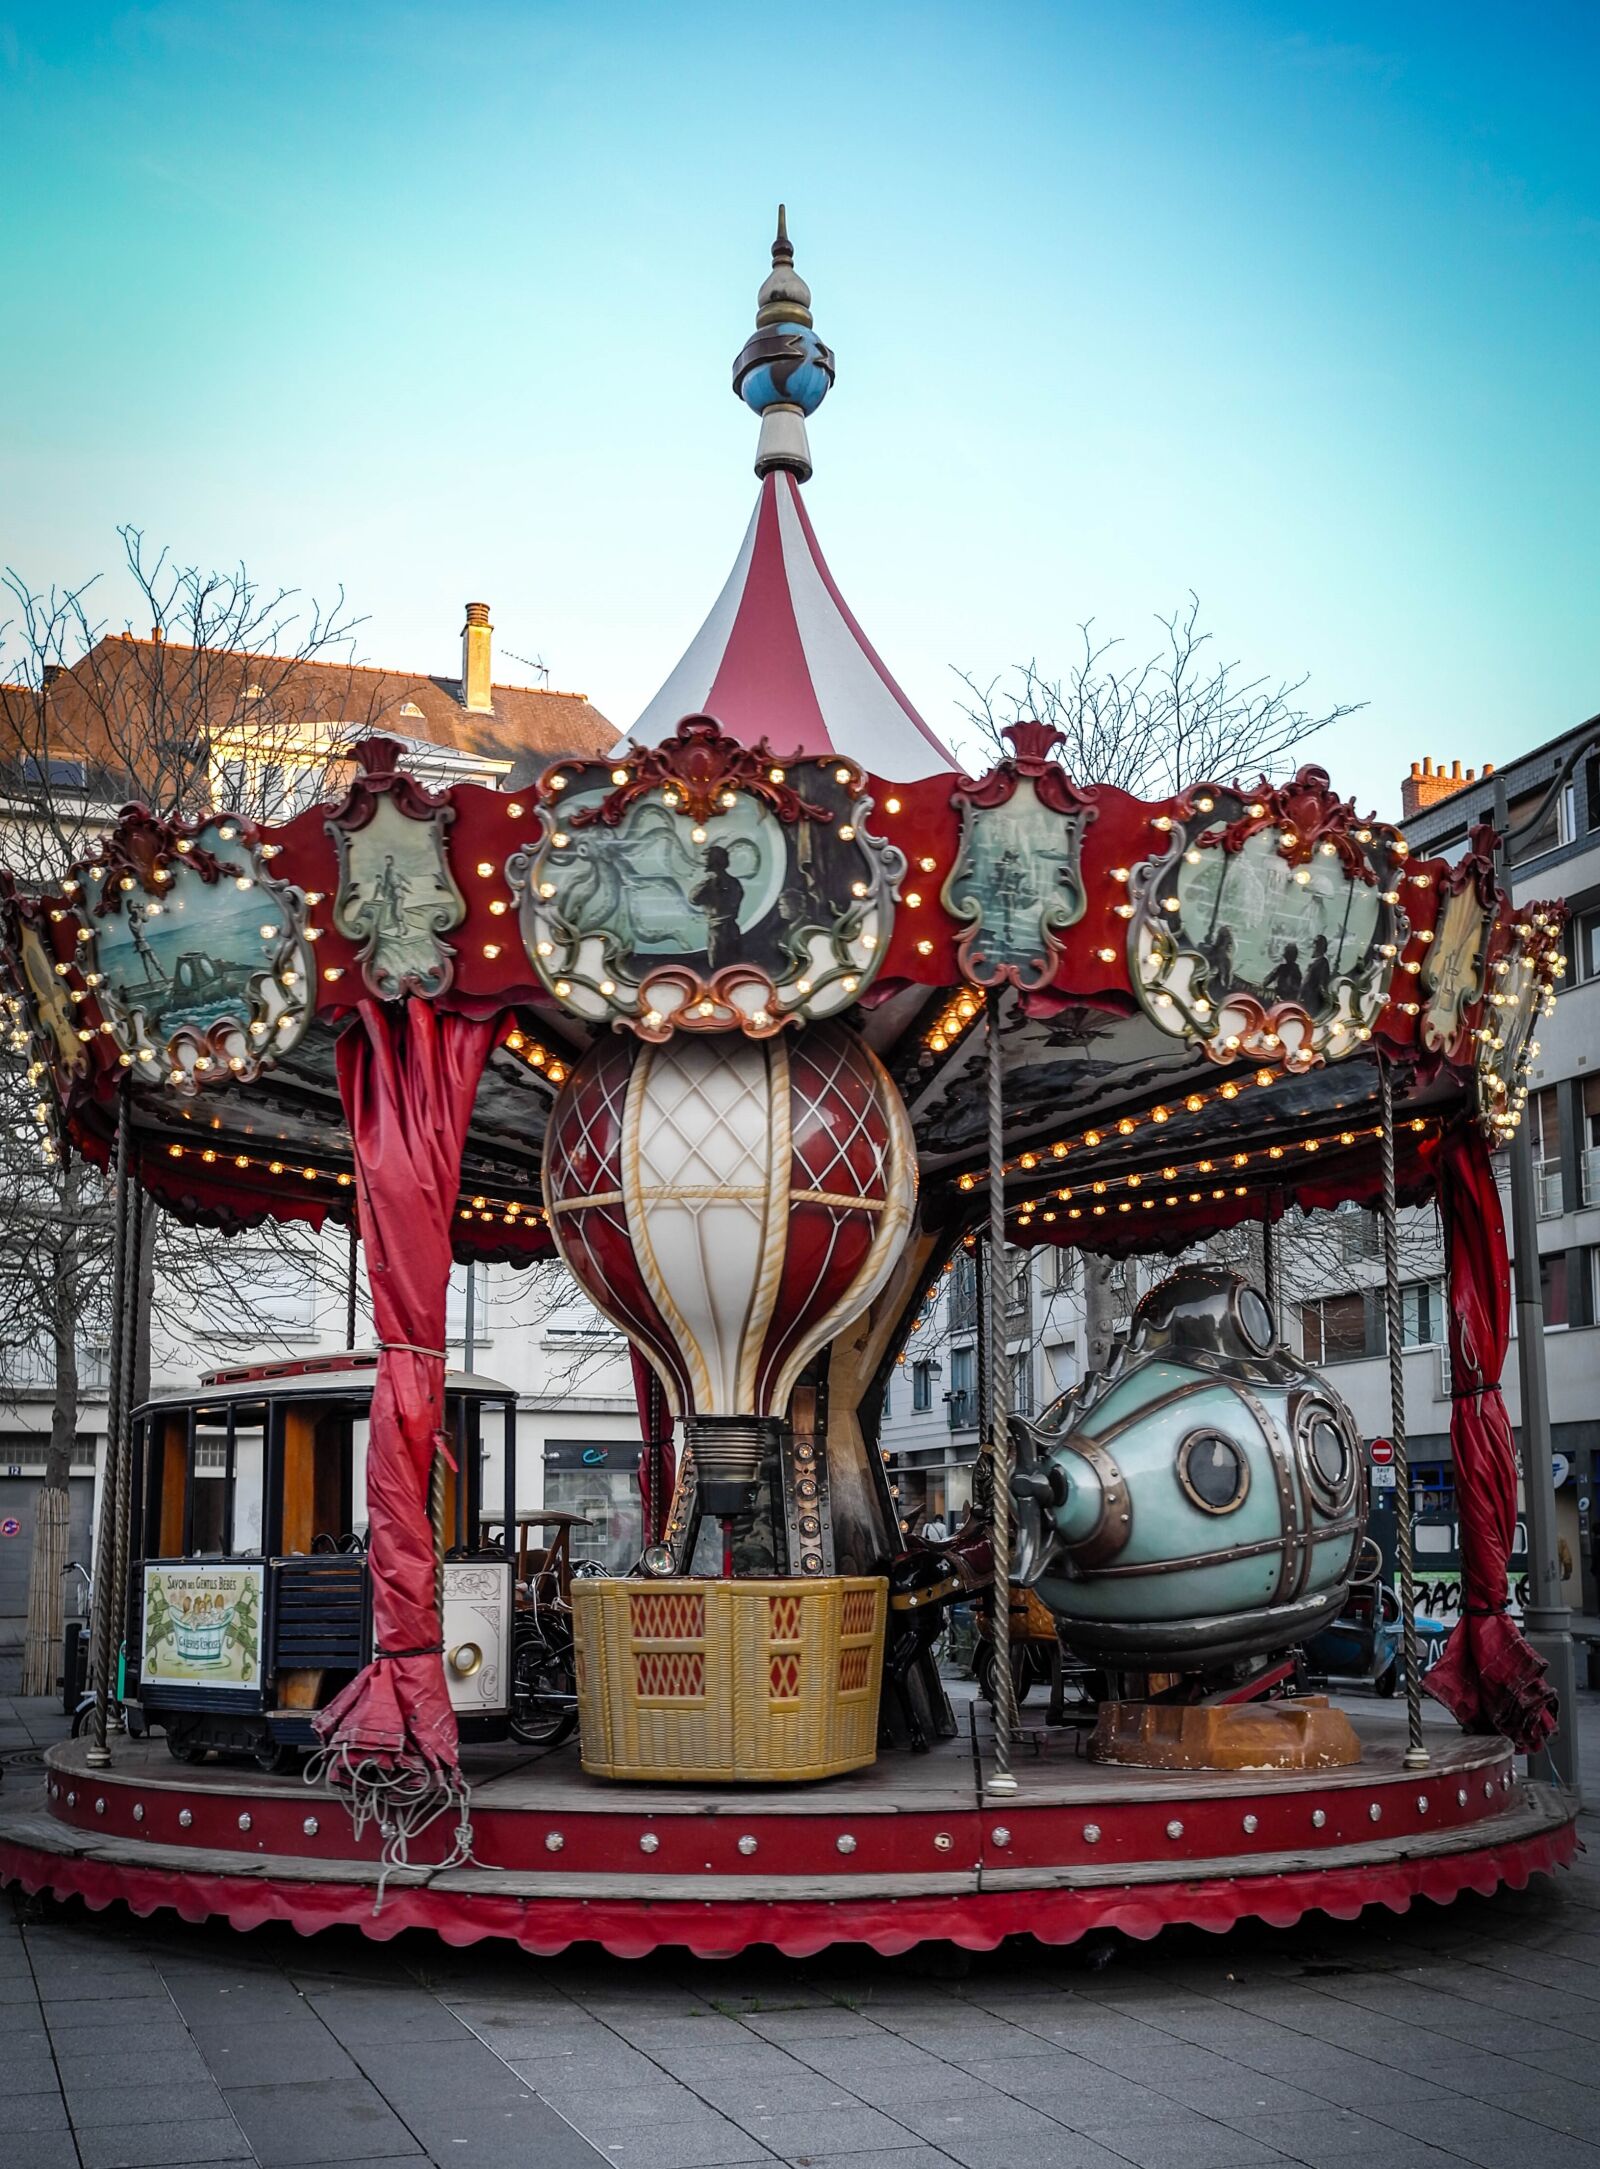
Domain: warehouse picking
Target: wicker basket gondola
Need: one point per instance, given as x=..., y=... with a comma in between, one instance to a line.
x=758, y=1682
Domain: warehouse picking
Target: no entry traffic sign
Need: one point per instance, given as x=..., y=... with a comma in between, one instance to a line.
x=1382, y=1453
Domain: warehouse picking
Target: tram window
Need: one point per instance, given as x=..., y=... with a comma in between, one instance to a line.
x=209, y=1509
x=247, y=1477
x=1434, y=1537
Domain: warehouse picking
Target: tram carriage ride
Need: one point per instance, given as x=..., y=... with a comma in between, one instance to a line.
x=249, y=1600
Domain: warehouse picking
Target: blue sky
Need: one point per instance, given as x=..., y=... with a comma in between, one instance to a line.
x=1296, y=306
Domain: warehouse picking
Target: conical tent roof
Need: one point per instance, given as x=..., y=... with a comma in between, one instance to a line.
x=781, y=657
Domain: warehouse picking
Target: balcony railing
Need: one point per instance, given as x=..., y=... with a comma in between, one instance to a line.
x=963, y=1410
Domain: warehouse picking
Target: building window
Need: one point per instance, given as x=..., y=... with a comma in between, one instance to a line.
x=1335, y=1329
x=1582, y=940
x=1421, y=1314
x=1360, y=1235
x=1065, y=1268
x=921, y=1387
x=1553, y=1288
x=962, y=1399
x=1589, y=1155
x=263, y=1295
x=1022, y=1383
x=1547, y=835
x=1544, y=1117
x=599, y=1479
x=964, y=1288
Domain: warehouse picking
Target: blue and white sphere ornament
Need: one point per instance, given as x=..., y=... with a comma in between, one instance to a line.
x=783, y=371
x=785, y=365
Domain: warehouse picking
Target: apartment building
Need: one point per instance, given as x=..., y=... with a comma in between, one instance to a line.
x=119, y=723
x=1341, y=1315
x=932, y=1421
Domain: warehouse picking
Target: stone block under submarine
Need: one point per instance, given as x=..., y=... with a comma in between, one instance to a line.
x=1202, y=1498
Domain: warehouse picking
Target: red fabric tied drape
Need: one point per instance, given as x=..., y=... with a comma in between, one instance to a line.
x=408, y=1076
x=1488, y=1678
x=658, y=1464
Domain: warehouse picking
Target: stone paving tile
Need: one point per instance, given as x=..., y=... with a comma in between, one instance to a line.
x=97, y=2107
x=379, y=2014
x=900, y=2157
x=1062, y=2150
x=131, y=2066
x=151, y=2018
x=1320, y=2137
x=256, y=2055
x=162, y=2146
x=1492, y=2137
x=293, y=2121
x=28, y=2112
x=30, y=2067
x=825, y=2021
x=1189, y=2142
x=703, y=2142
x=42, y=2150
x=824, y=2130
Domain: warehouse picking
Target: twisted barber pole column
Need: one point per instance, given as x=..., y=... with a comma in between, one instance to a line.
x=998, y=1413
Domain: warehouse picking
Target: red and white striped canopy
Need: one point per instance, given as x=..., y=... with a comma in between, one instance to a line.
x=782, y=658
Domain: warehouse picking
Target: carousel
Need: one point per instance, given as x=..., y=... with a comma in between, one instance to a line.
x=754, y=1023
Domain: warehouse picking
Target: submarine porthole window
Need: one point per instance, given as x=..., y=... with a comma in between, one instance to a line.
x=1255, y=1320
x=1329, y=1451
x=1213, y=1472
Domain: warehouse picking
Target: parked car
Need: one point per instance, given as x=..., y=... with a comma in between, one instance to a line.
x=1363, y=1643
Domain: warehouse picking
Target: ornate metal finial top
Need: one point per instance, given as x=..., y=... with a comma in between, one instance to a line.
x=784, y=371
x=785, y=297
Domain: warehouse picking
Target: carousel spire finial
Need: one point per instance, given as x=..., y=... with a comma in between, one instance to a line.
x=783, y=373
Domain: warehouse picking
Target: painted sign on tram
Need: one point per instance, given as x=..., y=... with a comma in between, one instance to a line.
x=202, y=1624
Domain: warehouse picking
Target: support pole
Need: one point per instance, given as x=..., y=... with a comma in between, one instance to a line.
x=130, y=1373
x=1269, y=1264
x=1416, y=1756
x=350, y=1288
x=1545, y=1618
x=998, y=1412
x=99, y=1755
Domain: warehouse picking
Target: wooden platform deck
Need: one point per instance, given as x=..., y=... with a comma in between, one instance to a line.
x=912, y=1849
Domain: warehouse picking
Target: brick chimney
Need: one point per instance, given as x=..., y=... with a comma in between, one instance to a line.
x=1427, y=784
x=477, y=681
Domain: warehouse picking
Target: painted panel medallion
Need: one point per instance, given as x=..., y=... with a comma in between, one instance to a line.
x=397, y=895
x=1270, y=927
x=705, y=888
x=203, y=967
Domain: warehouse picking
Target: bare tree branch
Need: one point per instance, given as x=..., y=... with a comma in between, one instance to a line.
x=1153, y=727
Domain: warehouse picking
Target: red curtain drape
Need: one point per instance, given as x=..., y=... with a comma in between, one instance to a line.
x=408, y=1075
x=1488, y=1678
x=658, y=1464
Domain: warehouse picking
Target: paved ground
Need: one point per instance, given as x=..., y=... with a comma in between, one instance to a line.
x=1461, y=2034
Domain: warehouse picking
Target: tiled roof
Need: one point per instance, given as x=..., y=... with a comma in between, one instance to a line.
x=122, y=677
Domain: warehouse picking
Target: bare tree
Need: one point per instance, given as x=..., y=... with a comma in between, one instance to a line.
x=1154, y=727
x=240, y=695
